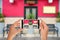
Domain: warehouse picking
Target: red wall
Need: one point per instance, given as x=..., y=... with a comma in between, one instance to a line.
x=17, y=9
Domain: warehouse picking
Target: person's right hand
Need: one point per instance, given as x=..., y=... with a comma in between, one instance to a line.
x=43, y=30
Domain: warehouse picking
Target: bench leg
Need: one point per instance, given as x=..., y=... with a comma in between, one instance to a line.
x=54, y=32
x=57, y=33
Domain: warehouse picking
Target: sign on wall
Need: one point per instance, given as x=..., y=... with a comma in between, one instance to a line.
x=49, y=9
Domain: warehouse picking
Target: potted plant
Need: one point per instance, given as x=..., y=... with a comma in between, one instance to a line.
x=30, y=22
x=58, y=22
x=30, y=16
x=58, y=17
x=1, y=18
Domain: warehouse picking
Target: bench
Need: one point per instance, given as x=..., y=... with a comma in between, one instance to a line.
x=53, y=28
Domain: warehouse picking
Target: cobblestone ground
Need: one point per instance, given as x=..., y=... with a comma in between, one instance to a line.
x=33, y=38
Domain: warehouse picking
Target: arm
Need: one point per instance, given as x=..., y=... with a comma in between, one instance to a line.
x=44, y=30
x=9, y=38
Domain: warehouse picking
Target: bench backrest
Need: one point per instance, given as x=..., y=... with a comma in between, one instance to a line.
x=51, y=25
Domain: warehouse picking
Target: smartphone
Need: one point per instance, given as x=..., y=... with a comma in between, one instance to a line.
x=30, y=27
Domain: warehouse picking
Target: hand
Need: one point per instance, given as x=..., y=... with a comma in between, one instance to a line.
x=44, y=30
x=13, y=31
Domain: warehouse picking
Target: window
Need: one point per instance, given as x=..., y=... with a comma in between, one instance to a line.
x=30, y=12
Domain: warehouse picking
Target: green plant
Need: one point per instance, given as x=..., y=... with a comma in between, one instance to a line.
x=58, y=20
x=1, y=16
x=2, y=21
x=30, y=23
x=58, y=17
x=30, y=16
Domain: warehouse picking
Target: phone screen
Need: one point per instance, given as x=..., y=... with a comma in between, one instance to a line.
x=30, y=27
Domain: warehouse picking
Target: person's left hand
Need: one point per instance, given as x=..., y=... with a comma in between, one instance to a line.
x=13, y=31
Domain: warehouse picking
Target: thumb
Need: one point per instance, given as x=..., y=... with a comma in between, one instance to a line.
x=41, y=26
x=19, y=30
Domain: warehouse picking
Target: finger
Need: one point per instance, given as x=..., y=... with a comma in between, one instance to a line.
x=19, y=30
x=41, y=26
x=17, y=22
x=44, y=24
x=16, y=25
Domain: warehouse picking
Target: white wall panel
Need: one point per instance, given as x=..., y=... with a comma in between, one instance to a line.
x=49, y=20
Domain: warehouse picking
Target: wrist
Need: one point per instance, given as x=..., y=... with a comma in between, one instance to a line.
x=43, y=37
x=9, y=38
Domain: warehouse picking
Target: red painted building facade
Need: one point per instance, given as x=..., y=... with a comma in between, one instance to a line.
x=17, y=8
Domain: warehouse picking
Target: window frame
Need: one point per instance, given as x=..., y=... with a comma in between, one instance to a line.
x=30, y=9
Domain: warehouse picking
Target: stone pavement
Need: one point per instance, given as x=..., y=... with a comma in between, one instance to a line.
x=33, y=38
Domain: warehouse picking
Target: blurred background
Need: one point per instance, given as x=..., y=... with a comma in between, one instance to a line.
x=31, y=27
